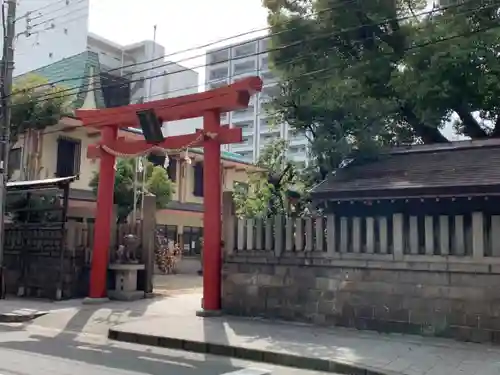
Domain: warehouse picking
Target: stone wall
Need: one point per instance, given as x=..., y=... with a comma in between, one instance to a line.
x=395, y=291
x=450, y=300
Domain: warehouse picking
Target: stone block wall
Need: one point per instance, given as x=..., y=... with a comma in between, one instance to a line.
x=456, y=300
x=350, y=272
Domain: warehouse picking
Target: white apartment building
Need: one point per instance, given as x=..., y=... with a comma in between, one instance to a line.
x=52, y=30
x=231, y=63
x=153, y=80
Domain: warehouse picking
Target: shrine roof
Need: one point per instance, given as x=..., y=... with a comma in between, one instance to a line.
x=72, y=74
x=457, y=168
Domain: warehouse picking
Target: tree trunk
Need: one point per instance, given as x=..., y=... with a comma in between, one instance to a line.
x=496, y=129
x=471, y=126
x=429, y=134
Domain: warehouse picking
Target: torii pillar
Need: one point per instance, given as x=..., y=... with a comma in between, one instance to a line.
x=209, y=105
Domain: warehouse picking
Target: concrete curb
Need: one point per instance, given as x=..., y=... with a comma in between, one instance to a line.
x=19, y=318
x=256, y=355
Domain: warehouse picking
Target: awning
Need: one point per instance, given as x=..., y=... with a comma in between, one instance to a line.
x=48, y=183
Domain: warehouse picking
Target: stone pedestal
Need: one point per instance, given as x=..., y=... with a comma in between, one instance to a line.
x=126, y=282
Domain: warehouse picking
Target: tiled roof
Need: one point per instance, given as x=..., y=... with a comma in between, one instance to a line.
x=467, y=164
x=73, y=74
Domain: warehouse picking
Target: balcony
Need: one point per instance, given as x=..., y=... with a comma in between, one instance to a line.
x=297, y=153
x=244, y=113
x=268, y=139
x=266, y=127
x=246, y=127
x=297, y=138
x=247, y=144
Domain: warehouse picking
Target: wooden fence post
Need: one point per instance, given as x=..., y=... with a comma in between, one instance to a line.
x=148, y=241
x=228, y=222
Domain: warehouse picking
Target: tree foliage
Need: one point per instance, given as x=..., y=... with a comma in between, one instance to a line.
x=266, y=192
x=36, y=104
x=360, y=75
x=157, y=183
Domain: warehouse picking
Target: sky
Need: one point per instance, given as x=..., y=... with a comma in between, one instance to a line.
x=181, y=24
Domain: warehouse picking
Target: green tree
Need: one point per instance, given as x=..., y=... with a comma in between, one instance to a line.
x=36, y=105
x=267, y=191
x=360, y=75
x=157, y=183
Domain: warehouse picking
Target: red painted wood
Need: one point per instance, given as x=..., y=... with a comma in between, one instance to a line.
x=212, y=252
x=102, y=238
x=224, y=99
x=208, y=105
x=124, y=146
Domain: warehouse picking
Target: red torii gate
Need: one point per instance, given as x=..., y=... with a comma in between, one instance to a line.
x=209, y=105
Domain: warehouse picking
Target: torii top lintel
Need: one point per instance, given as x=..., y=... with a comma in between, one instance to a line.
x=223, y=99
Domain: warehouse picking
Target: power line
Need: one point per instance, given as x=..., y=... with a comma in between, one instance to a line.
x=323, y=70
x=242, y=57
x=39, y=9
x=77, y=90
x=329, y=9
x=61, y=15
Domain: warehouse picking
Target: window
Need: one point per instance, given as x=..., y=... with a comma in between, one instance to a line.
x=116, y=90
x=198, y=180
x=244, y=67
x=68, y=157
x=14, y=160
x=172, y=170
x=245, y=49
x=244, y=112
x=220, y=56
x=218, y=74
x=169, y=231
x=191, y=240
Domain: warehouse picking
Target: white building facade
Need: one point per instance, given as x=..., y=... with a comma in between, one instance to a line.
x=49, y=31
x=151, y=77
x=231, y=63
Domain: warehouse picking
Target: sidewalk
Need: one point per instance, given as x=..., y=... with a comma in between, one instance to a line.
x=336, y=350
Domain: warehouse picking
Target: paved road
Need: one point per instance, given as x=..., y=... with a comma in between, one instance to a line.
x=33, y=350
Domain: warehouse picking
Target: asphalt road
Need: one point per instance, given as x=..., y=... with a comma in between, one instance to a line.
x=32, y=350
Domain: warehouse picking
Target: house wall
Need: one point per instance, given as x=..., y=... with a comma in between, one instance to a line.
x=184, y=184
x=370, y=276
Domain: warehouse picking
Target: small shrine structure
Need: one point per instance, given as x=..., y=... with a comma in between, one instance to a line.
x=209, y=105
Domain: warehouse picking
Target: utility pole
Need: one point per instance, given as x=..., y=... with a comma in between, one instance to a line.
x=6, y=85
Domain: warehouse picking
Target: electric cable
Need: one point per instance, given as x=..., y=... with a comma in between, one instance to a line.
x=404, y=18
x=77, y=90
x=312, y=73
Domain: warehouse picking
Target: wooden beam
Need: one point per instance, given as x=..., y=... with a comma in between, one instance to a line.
x=224, y=99
x=123, y=146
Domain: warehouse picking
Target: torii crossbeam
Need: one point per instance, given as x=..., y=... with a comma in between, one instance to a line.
x=209, y=105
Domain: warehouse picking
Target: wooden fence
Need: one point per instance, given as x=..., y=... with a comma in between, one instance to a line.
x=476, y=235
x=80, y=238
